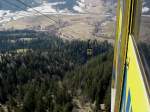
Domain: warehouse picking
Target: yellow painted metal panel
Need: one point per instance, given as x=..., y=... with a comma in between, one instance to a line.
x=128, y=19
x=114, y=77
x=135, y=82
x=121, y=50
x=118, y=35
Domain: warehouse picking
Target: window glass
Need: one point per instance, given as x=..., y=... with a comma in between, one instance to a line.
x=144, y=40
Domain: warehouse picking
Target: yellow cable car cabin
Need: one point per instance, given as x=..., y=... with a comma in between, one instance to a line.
x=89, y=49
x=131, y=77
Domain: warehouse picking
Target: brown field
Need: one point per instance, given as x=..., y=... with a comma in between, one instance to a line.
x=80, y=26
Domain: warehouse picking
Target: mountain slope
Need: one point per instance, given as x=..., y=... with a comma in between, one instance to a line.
x=4, y=5
x=34, y=81
x=59, y=4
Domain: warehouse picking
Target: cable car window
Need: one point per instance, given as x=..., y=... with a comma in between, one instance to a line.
x=144, y=40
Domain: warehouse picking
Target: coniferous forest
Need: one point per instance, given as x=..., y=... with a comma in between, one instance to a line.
x=43, y=73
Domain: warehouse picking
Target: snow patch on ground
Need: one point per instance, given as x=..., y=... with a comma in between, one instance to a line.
x=46, y=7
x=145, y=9
x=78, y=9
x=80, y=6
x=82, y=1
x=43, y=9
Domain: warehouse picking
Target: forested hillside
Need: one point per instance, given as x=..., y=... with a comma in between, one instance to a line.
x=52, y=73
x=91, y=82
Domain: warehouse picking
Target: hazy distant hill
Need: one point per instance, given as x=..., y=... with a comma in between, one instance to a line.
x=67, y=4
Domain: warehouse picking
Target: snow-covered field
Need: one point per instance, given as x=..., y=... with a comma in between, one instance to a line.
x=45, y=8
